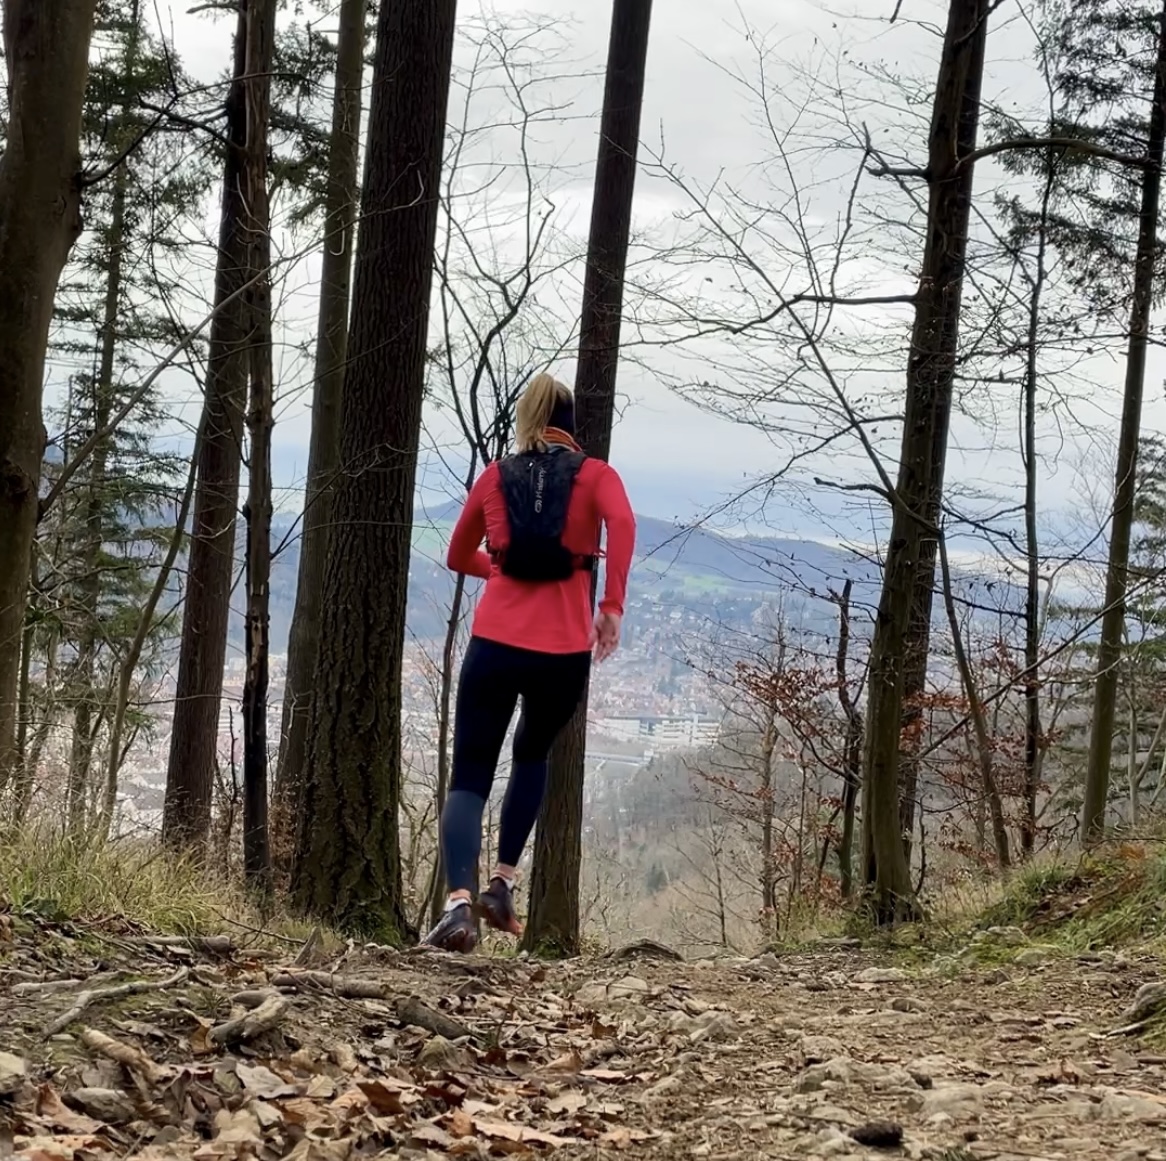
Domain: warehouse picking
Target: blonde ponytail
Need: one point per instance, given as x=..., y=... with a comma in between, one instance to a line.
x=533, y=413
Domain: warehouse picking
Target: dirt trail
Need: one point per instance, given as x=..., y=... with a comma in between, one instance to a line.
x=231, y=1053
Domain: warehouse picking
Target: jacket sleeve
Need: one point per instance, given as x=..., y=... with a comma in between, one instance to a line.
x=465, y=553
x=615, y=510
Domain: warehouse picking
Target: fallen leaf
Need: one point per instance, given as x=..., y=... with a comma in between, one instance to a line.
x=568, y=1062
x=567, y=1104
x=520, y=1134
x=261, y=1081
x=601, y=1031
x=608, y=1075
x=384, y=1098
x=622, y=1138
x=51, y=1108
x=321, y=1087
x=460, y=1123
x=430, y=1134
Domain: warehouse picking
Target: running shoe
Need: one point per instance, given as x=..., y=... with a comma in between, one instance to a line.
x=455, y=931
x=496, y=907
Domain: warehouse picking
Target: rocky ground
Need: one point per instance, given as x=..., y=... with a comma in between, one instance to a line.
x=117, y=1044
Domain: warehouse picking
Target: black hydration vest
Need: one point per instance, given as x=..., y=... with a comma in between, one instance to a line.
x=537, y=489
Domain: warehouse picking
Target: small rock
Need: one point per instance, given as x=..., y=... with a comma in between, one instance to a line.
x=713, y=1026
x=1116, y=1106
x=104, y=1104
x=768, y=960
x=629, y=988
x=590, y=995
x=954, y=1100
x=13, y=1073
x=1148, y=999
x=439, y=1055
x=818, y=1049
x=908, y=1004
x=817, y=1076
x=1011, y=936
x=879, y=1135
x=882, y=975
x=1035, y=955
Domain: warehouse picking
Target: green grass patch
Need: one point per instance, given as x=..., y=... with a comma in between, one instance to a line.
x=56, y=878
x=1112, y=898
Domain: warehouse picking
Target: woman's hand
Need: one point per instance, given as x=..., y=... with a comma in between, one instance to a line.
x=605, y=635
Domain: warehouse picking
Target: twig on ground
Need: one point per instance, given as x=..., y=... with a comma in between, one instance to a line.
x=216, y=945
x=413, y=1011
x=261, y=931
x=346, y=987
x=267, y=1016
x=117, y=992
x=310, y=945
x=124, y=1054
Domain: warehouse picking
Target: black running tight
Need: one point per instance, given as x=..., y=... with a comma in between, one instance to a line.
x=493, y=678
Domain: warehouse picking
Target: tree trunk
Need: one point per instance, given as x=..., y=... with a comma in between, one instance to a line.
x=1125, y=482
x=852, y=747
x=444, y=720
x=324, y=449
x=347, y=866
x=902, y=633
x=553, y=922
x=93, y=504
x=46, y=47
x=260, y=421
x=1033, y=731
x=983, y=746
x=190, y=775
x=769, y=912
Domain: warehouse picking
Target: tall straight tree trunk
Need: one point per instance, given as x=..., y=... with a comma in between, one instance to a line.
x=93, y=504
x=1033, y=731
x=902, y=631
x=46, y=48
x=348, y=860
x=852, y=747
x=553, y=921
x=190, y=775
x=1125, y=482
x=983, y=738
x=260, y=421
x=324, y=448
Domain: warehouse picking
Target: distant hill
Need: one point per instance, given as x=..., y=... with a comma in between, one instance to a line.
x=698, y=569
x=717, y=577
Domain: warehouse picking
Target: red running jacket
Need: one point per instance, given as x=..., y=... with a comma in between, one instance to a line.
x=547, y=616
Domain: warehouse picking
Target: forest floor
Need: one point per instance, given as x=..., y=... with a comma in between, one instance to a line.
x=116, y=1043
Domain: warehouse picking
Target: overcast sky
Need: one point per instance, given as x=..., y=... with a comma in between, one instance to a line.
x=679, y=460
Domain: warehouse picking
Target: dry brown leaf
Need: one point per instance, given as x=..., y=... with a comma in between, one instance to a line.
x=520, y=1134
x=460, y=1123
x=568, y=1062
x=567, y=1104
x=52, y=1109
x=306, y=1113
x=608, y=1075
x=623, y=1138
x=321, y=1087
x=431, y=1136
x=261, y=1081
x=200, y=1039
x=58, y=1148
x=385, y=1098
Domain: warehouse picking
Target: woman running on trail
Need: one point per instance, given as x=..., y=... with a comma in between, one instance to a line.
x=539, y=512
